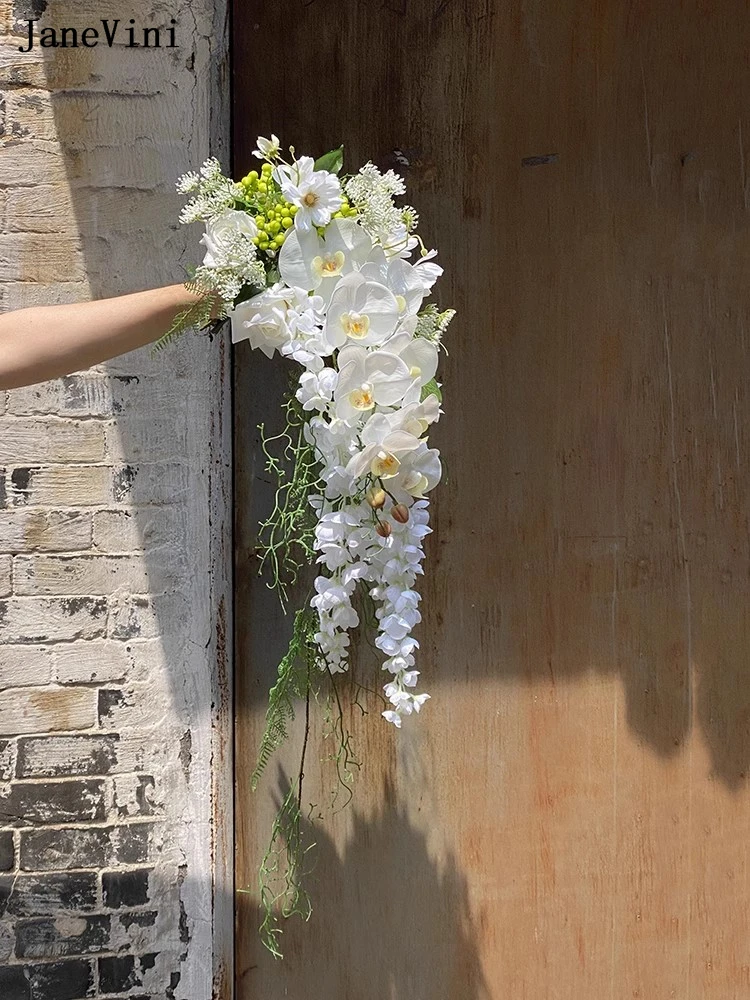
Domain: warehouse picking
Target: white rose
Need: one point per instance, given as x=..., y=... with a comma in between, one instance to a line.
x=263, y=321
x=221, y=232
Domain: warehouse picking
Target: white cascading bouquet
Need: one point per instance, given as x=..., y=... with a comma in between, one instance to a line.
x=318, y=266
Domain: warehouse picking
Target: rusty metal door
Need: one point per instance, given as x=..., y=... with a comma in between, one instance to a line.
x=570, y=816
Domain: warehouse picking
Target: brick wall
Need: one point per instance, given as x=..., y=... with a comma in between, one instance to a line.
x=114, y=710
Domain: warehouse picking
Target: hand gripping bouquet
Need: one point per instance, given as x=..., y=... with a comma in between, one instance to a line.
x=328, y=271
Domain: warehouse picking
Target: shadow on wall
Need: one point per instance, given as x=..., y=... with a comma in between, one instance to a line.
x=386, y=921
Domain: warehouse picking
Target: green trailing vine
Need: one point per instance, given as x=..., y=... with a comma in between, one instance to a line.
x=285, y=550
x=286, y=537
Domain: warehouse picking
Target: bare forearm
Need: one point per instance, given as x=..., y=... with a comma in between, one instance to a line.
x=45, y=342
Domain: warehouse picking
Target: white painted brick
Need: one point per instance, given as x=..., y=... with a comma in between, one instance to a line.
x=31, y=163
x=30, y=113
x=63, y=486
x=144, y=165
x=25, y=666
x=157, y=439
x=95, y=661
x=115, y=70
x=5, y=575
x=31, y=441
x=40, y=257
x=42, y=619
x=44, y=209
x=140, y=528
x=88, y=209
x=74, y=395
x=147, y=617
x=157, y=483
x=90, y=574
x=46, y=710
x=20, y=294
x=57, y=531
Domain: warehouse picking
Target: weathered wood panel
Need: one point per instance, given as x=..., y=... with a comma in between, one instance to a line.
x=570, y=815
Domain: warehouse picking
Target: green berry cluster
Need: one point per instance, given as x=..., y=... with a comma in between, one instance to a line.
x=275, y=214
x=346, y=210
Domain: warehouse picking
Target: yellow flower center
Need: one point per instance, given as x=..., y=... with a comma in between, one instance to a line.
x=355, y=325
x=401, y=301
x=415, y=371
x=385, y=465
x=329, y=266
x=362, y=398
x=310, y=199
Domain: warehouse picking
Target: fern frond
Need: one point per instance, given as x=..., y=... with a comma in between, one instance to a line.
x=195, y=316
x=295, y=670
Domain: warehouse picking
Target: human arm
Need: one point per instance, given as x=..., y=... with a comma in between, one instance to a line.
x=45, y=342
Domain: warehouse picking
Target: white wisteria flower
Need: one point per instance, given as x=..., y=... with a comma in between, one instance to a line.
x=316, y=193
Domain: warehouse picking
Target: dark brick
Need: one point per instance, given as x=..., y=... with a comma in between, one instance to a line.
x=109, y=700
x=123, y=973
x=53, y=981
x=128, y=888
x=131, y=843
x=6, y=760
x=7, y=852
x=53, y=802
x=123, y=482
x=21, y=483
x=62, y=980
x=46, y=895
x=66, y=756
x=56, y=850
x=14, y=983
x=87, y=847
x=55, y=937
x=138, y=918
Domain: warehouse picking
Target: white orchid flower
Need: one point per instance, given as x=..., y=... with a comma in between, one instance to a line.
x=267, y=149
x=366, y=378
x=361, y=310
x=427, y=271
x=417, y=417
x=221, y=236
x=419, y=354
x=316, y=263
x=384, y=449
x=419, y=471
x=316, y=193
x=407, y=281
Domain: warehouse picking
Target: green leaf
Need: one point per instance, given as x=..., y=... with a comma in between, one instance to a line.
x=431, y=389
x=332, y=161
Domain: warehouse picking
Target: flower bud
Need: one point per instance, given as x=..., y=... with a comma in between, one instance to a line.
x=383, y=529
x=376, y=499
x=400, y=513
